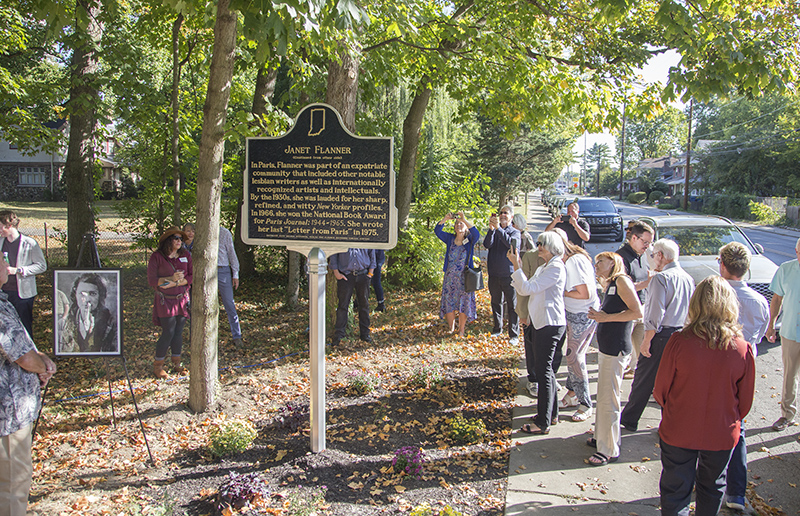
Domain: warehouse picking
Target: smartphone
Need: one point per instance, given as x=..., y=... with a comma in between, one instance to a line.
x=515, y=243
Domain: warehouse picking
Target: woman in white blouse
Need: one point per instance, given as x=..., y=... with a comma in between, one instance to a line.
x=546, y=312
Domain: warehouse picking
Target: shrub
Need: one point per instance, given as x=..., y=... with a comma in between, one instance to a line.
x=670, y=199
x=763, y=213
x=427, y=376
x=466, y=430
x=732, y=206
x=306, y=504
x=655, y=195
x=664, y=206
x=292, y=416
x=417, y=260
x=362, y=381
x=408, y=460
x=637, y=197
x=232, y=437
x=240, y=491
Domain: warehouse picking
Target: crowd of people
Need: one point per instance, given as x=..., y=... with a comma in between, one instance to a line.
x=691, y=347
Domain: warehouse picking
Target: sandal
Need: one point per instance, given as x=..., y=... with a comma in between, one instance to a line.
x=568, y=401
x=598, y=459
x=553, y=422
x=591, y=442
x=582, y=414
x=530, y=428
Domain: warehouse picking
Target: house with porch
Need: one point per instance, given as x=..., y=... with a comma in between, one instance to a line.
x=36, y=176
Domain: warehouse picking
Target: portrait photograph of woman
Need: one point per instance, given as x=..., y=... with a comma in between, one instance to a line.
x=87, y=312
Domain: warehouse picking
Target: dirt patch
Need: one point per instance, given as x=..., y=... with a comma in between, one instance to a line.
x=84, y=464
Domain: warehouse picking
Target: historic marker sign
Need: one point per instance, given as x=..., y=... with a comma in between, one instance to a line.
x=320, y=186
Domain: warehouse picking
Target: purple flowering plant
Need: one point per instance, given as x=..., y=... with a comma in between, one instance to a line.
x=408, y=459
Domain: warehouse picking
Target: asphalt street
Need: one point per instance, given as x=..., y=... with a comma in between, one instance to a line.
x=549, y=474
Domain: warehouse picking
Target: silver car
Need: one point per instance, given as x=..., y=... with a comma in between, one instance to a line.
x=700, y=238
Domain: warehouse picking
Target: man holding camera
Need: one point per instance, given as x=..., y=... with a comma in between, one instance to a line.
x=576, y=228
x=500, y=236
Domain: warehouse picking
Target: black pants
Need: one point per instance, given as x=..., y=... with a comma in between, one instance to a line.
x=171, y=336
x=24, y=308
x=504, y=297
x=684, y=469
x=545, y=342
x=376, y=284
x=344, y=288
x=530, y=360
x=645, y=379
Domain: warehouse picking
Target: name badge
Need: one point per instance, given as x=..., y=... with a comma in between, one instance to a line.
x=184, y=259
x=612, y=290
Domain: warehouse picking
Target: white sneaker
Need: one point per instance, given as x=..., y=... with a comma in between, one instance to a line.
x=533, y=389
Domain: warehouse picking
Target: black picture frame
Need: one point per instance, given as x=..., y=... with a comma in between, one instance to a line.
x=93, y=326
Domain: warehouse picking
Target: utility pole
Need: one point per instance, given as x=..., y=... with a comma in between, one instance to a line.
x=688, y=158
x=622, y=150
x=583, y=172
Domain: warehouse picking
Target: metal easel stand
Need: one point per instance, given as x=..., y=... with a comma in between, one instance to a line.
x=89, y=241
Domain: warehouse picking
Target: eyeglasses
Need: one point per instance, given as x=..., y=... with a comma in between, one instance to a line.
x=538, y=244
x=505, y=212
x=176, y=237
x=719, y=260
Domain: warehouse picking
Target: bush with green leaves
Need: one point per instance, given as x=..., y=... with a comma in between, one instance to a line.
x=416, y=262
x=362, y=381
x=637, y=197
x=665, y=206
x=763, y=213
x=655, y=195
x=427, y=375
x=233, y=436
x=464, y=430
x=732, y=206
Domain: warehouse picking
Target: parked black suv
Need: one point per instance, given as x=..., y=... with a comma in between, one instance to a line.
x=603, y=217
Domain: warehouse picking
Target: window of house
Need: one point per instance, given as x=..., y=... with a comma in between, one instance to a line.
x=31, y=176
x=12, y=146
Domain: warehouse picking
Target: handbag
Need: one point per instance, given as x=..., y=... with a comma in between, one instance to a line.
x=473, y=279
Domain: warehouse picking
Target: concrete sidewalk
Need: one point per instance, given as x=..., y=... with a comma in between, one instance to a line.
x=550, y=475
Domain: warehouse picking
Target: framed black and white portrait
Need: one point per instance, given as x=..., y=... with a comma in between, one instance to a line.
x=87, y=312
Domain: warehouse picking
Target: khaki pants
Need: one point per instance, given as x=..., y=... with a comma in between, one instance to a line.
x=16, y=470
x=609, y=386
x=790, y=352
x=637, y=336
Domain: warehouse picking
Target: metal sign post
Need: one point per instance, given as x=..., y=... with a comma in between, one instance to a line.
x=317, y=269
x=319, y=190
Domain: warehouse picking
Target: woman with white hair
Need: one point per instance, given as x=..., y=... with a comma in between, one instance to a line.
x=519, y=222
x=546, y=312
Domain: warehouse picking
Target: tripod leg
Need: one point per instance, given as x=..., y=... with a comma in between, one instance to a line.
x=138, y=416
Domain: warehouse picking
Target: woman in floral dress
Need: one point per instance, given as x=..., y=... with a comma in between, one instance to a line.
x=460, y=247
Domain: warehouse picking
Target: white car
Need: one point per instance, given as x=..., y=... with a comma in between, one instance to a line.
x=700, y=237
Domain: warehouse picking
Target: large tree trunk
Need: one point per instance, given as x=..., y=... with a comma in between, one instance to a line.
x=412, y=126
x=84, y=98
x=175, y=140
x=343, y=88
x=204, y=378
x=265, y=88
x=341, y=94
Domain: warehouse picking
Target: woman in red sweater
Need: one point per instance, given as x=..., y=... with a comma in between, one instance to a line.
x=705, y=386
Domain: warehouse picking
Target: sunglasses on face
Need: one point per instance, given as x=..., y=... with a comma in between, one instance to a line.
x=176, y=237
x=538, y=244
